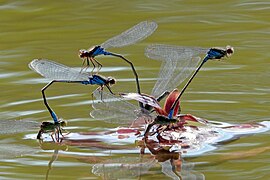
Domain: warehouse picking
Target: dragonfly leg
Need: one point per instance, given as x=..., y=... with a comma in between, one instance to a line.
x=67, y=132
x=56, y=134
x=60, y=131
x=148, y=129
x=52, y=136
x=84, y=59
x=108, y=87
x=92, y=61
x=39, y=134
x=161, y=129
x=99, y=65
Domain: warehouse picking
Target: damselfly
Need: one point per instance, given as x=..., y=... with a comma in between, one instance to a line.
x=55, y=128
x=176, y=67
x=128, y=37
x=61, y=73
x=175, y=56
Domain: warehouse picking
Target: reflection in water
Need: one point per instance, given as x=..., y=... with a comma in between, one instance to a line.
x=164, y=157
x=163, y=154
x=54, y=158
x=171, y=164
x=56, y=147
x=122, y=168
x=8, y=149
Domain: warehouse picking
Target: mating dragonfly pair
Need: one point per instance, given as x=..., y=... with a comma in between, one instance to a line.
x=177, y=64
x=61, y=73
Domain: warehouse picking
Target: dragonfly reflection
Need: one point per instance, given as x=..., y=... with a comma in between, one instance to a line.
x=128, y=37
x=170, y=163
x=52, y=146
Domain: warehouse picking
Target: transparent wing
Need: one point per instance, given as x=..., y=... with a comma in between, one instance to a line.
x=169, y=171
x=113, y=109
x=177, y=64
x=145, y=99
x=17, y=126
x=163, y=52
x=164, y=77
x=56, y=71
x=123, y=168
x=132, y=35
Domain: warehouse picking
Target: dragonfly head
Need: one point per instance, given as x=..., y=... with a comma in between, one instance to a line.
x=111, y=81
x=63, y=123
x=83, y=53
x=229, y=50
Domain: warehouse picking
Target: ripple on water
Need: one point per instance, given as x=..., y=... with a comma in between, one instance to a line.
x=40, y=99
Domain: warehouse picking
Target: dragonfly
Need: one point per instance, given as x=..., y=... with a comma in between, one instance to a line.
x=128, y=37
x=61, y=73
x=172, y=56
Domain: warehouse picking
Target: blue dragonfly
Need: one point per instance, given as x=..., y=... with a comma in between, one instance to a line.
x=61, y=73
x=172, y=56
x=128, y=37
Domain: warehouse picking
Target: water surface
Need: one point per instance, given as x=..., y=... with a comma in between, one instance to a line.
x=233, y=91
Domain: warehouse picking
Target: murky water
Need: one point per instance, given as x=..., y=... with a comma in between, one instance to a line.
x=231, y=91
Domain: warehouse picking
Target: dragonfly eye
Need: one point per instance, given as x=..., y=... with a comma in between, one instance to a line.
x=229, y=50
x=63, y=123
x=83, y=53
x=111, y=81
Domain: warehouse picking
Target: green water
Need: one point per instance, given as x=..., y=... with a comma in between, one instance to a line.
x=234, y=91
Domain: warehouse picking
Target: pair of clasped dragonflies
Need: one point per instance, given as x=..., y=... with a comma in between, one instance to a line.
x=178, y=63
x=174, y=55
x=61, y=73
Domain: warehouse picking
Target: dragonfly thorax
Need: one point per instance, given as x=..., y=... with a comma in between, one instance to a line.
x=83, y=53
x=91, y=52
x=160, y=119
x=219, y=53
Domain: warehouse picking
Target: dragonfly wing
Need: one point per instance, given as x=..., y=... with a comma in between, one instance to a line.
x=56, y=71
x=164, y=77
x=123, y=167
x=177, y=64
x=169, y=170
x=113, y=109
x=151, y=101
x=132, y=35
x=17, y=126
x=163, y=52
